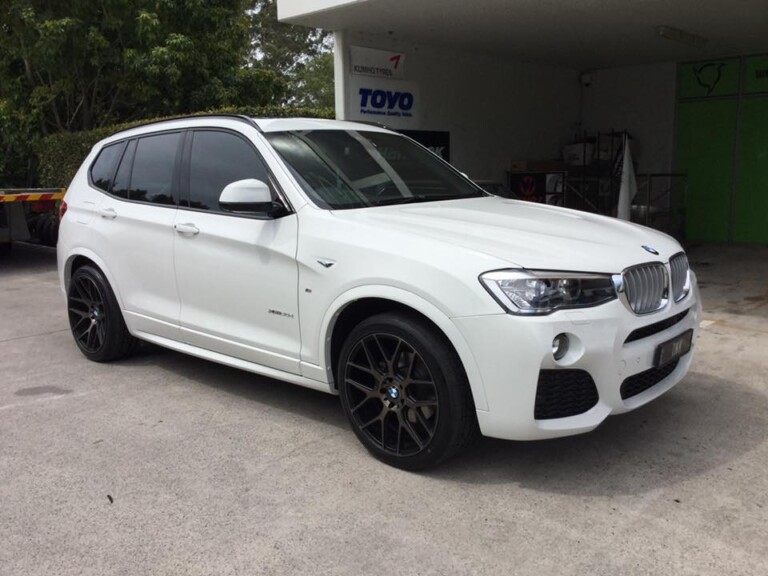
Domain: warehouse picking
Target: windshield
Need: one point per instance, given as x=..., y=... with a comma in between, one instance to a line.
x=342, y=169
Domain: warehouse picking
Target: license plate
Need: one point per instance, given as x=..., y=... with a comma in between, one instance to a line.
x=671, y=350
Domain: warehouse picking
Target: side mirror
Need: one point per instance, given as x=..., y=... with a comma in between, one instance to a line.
x=249, y=196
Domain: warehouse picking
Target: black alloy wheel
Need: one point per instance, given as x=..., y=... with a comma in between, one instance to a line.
x=95, y=318
x=86, y=314
x=392, y=394
x=405, y=392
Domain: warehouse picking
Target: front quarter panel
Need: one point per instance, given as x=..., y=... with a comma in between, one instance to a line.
x=415, y=302
x=439, y=281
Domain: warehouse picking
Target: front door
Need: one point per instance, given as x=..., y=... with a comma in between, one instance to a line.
x=236, y=273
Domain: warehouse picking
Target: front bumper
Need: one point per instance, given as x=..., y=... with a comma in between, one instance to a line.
x=511, y=351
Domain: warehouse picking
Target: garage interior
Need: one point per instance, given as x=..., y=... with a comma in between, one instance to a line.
x=536, y=96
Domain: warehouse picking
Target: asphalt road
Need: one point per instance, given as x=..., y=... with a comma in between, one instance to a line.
x=165, y=464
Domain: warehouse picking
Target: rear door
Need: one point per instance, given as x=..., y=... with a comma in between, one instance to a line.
x=236, y=273
x=133, y=230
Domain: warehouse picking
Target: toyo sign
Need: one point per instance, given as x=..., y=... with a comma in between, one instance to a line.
x=382, y=98
x=386, y=102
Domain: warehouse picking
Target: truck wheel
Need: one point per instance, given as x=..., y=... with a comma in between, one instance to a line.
x=53, y=231
x=95, y=318
x=40, y=229
x=405, y=392
x=48, y=229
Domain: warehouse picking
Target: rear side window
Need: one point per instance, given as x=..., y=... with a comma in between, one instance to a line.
x=122, y=182
x=103, y=168
x=218, y=159
x=146, y=169
x=153, y=166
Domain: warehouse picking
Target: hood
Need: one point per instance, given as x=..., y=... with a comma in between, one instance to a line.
x=524, y=234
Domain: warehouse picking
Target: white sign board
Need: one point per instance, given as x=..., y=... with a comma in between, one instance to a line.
x=377, y=63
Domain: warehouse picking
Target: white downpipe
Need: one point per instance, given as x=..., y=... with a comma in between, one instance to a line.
x=340, y=73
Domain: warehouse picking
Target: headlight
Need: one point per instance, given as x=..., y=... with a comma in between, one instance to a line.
x=543, y=292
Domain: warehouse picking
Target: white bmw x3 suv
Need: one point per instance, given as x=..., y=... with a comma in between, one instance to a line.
x=347, y=258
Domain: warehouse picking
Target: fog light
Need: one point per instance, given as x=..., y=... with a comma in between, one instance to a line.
x=560, y=346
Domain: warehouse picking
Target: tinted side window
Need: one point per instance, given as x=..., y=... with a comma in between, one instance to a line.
x=218, y=159
x=103, y=168
x=153, y=166
x=123, y=177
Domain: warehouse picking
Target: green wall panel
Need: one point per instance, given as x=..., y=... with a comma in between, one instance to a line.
x=706, y=134
x=711, y=78
x=751, y=211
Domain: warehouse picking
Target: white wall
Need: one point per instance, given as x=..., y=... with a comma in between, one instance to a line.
x=498, y=110
x=495, y=110
x=292, y=8
x=640, y=99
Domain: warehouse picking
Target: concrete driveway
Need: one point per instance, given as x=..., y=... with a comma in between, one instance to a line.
x=165, y=464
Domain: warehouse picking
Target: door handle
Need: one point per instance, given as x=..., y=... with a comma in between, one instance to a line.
x=187, y=228
x=108, y=213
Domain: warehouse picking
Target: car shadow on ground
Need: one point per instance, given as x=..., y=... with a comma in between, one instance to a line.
x=297, y=400
x=704, y=423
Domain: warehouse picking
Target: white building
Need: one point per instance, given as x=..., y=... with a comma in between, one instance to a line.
x=504, y=81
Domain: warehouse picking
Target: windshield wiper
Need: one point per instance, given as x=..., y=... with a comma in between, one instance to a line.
x=422, y=198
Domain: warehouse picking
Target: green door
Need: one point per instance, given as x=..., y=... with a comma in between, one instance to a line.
x=706, y=135
x=751, y=210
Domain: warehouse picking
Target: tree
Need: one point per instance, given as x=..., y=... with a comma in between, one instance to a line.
x=302, y=56
x=312, y=85
x=79, y=64
x=70, y=65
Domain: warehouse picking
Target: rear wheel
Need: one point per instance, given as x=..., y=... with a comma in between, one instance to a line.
x=95, y=318
x=405, y=392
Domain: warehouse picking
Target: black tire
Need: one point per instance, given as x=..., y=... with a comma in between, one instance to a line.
x=43, y=230
x=34, y=223
x=405, y=392
x=95, y=318
x=53, y=231
x=48, y=229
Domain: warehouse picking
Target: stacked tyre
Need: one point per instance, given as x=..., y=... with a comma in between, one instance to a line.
x=47, y=229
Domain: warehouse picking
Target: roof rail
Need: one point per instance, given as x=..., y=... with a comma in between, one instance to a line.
x=372, y=123
x=241, y=117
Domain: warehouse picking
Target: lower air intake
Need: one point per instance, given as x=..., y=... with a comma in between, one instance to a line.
x=563, y=393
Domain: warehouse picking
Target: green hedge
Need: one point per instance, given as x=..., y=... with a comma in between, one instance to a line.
x=61, y=154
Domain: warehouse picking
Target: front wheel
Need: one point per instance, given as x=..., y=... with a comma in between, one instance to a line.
x=95, y=318
x=404, y=391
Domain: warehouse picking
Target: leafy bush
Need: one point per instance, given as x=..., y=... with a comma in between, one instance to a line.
x=61, y=154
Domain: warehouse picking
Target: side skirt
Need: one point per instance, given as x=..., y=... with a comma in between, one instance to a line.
x=234, y=362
